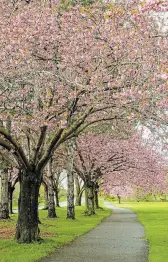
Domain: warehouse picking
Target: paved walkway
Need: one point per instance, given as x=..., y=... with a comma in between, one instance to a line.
x=120, y=238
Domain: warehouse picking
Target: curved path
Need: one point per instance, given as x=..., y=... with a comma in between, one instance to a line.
x=119, y=238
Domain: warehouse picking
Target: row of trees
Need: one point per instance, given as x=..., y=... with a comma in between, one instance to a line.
x=66, y=69
x=99, y=162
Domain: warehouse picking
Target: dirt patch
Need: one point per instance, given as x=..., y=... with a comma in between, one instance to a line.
x=7, y=233
x=47, y=234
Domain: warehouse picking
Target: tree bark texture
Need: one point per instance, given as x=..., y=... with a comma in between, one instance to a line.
x=4, y=200
x=51, y=200
x=45, y=197
x=10, y=193
x=57, y=196
x=86, y=199
x=90, y=200
x=96, y=199
x=27, y=230
x=70, y=180
x=70, y=196
x=79, y=191
x=96, y=196
x=78, y=201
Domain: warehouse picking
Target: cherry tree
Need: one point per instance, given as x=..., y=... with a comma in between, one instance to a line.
x=145, y=172
x=96, y=155
x=120, y=166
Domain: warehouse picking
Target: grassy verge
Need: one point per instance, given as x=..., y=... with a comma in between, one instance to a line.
x=55, y=232
x=154, y=218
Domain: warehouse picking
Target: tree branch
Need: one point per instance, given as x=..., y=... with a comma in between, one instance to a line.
x=19, y=151
x=40, y=142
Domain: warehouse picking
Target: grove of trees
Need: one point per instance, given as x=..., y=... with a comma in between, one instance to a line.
x=77, y=78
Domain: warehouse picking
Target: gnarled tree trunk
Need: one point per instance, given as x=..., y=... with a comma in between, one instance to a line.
x=89, y=188
x=91, y=200
x=27, y=230
x=4, y=200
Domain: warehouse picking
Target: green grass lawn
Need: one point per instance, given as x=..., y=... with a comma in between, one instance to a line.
x=154, y=217
x=55, y=232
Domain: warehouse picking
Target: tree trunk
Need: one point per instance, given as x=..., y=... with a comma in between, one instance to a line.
x=51, y=202
x=154, y=197
x=45, y=197
x=70, y=196
x=96, y=199
x=57, y=197
x=27, y=230
x=4, y=200
x=119, y=199
x=79, y=192
x=70, y=180
x=90, y=202
x=11, y=190
x=78, y=201
x=86, y=199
